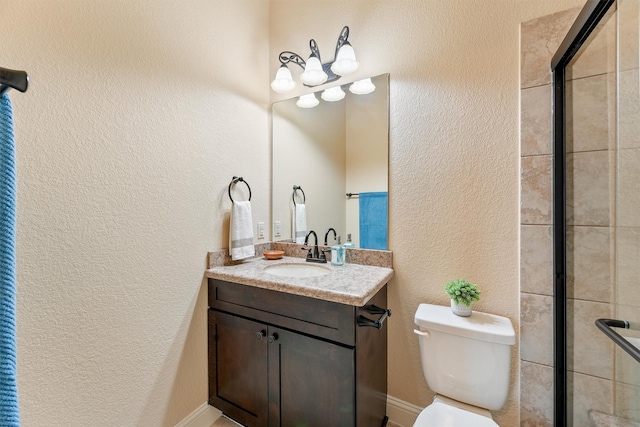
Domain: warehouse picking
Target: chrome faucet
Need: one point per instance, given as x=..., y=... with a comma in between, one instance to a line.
x=313, y=254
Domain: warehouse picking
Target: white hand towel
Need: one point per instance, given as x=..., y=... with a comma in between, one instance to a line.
x=241, y=231
x=300, y=222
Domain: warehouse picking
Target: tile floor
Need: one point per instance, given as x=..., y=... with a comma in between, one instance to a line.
x=224, y=422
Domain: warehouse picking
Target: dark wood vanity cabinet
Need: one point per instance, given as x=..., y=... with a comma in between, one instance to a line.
x=277, y=359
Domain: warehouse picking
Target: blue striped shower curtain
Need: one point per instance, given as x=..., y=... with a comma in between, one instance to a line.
x=9, y=413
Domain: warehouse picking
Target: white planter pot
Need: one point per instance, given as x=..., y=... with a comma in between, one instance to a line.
x=460, y=309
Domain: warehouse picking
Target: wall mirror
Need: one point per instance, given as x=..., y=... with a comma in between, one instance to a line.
x=330, y=151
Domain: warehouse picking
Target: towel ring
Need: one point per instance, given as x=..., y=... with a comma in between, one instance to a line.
x=293, y=195
x=235, y=180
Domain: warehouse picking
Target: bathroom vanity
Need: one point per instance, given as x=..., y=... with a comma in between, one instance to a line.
x=287, y=351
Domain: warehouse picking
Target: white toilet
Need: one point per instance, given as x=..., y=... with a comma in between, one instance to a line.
x=466, y=362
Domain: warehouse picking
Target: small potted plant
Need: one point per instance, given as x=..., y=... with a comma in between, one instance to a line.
x=462, y=294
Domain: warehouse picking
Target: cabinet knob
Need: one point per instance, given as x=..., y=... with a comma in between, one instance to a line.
x=261, y=334
x=273, y=337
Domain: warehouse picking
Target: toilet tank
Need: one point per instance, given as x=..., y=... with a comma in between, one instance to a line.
x=466, y=358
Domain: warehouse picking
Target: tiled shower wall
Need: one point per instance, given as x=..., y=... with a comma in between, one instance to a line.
x=603, y=230
x=539, y=40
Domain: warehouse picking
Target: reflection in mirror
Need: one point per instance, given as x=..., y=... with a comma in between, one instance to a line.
x=330, y=150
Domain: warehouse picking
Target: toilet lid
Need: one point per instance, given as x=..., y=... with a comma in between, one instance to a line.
x=442, y=415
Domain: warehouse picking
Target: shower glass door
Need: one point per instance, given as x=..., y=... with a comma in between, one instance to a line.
x=626, y=369
x=601, y=230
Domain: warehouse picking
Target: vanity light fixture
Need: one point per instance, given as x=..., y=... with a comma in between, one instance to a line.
x=333, y=94
x=307, y=101
x=315, y=72
x=362, y=87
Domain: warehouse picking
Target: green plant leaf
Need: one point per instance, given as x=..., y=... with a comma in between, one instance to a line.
x=462, y=291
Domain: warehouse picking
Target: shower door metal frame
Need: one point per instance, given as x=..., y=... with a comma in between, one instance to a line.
x=589, y=17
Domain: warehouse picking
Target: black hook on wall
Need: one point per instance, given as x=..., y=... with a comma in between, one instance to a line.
x=234, y=181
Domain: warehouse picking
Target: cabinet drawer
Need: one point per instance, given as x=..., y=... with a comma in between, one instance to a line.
x=324, y=319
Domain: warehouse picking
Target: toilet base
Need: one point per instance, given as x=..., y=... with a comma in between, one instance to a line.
x=446, y=412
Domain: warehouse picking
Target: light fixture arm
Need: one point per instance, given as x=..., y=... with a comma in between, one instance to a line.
x=314, y=49
x=342, y=39
x=287, y=57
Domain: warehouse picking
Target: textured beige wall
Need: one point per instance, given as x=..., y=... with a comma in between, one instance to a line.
x=454, y=156
x=137, y=116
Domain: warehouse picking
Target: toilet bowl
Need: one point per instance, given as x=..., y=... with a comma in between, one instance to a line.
x=466, y=362
x=445, y=412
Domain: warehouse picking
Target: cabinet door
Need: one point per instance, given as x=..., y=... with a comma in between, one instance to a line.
x=238, y=368
x=311, y=382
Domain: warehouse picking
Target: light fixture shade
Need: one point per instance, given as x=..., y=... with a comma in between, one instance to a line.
x=333, y=94
x=283, y=82
x=307, y=101
x=362, y=87
x=345, y=62
x=313, y=74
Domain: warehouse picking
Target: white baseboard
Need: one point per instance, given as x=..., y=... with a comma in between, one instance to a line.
x=203, y=416
x=402, y=413
x=399, y=412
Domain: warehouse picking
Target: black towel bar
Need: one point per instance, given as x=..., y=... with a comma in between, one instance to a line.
x=293, y=195
x=605, y=326
x=350, y=195
x=235, y=180
x=15, y=79
x=374, y=309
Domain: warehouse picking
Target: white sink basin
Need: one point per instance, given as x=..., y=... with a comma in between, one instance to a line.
x=298, y=270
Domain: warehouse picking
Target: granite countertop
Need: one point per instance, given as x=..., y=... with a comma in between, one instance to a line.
x=351, y=284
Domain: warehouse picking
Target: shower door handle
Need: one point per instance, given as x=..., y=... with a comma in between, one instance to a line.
x=606, y=325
